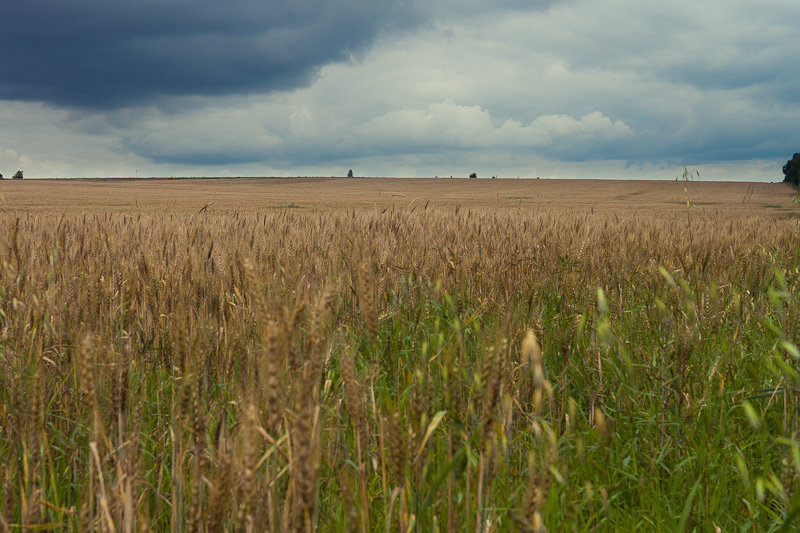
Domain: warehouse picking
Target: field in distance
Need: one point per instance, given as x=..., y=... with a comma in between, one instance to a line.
x=773, y=200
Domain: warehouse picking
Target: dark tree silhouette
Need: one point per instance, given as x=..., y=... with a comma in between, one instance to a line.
x=17, y=175
x=791, y=170
x=350, y=173
x=473, y=175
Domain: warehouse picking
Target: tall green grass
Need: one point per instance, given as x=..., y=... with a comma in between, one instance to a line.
x=405, y=371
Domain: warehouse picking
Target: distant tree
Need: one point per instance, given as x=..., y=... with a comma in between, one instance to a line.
x=350, y=173
x=17, y=175
x=473, y=175
x=1, y=176
x=791, y=170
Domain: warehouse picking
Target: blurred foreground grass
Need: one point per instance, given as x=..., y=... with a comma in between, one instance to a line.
x=398, y=371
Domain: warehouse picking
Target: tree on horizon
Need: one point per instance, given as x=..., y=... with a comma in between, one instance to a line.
x=791, y=170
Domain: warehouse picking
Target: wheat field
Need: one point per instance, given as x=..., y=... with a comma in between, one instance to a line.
x=398, y=355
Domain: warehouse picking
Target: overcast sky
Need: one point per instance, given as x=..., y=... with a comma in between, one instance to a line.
x=560, y=88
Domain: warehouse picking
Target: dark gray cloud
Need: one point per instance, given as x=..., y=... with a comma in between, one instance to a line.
x=100, y=54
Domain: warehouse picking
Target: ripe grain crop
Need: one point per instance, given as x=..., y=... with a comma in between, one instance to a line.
x=412, y=368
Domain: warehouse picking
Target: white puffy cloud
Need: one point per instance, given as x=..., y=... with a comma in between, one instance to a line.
x=451, y=126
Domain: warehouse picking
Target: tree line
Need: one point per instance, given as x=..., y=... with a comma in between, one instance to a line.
x=791, y=170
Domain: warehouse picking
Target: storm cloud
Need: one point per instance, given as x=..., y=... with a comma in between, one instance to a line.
x=100, y=54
